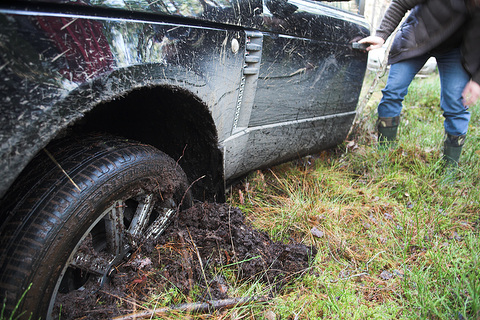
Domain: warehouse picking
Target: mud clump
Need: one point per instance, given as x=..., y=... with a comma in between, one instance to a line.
x=189, y=258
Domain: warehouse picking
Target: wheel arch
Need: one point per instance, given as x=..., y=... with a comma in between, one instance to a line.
x=168, y=117
x=171, y=119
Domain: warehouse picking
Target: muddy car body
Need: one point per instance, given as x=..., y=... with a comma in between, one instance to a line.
x=90, y=90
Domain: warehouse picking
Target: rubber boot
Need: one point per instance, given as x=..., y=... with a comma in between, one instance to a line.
x=387, y=131
x=452, y=148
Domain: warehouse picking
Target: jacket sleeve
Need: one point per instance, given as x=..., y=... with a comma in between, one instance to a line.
x=471, y=47
x=394, y=15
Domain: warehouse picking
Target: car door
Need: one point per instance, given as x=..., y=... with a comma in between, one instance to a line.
x=308, y=83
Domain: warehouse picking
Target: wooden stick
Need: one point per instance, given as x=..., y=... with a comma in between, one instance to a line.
x=60, y=167
x=196, y=307
x=201, y=264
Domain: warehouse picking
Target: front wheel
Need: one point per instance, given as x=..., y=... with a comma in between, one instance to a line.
x=83, y=207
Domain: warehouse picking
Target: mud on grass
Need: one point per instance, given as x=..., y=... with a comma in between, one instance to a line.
x=186, y=261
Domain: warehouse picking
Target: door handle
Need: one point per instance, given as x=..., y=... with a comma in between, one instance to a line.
x=360, y=46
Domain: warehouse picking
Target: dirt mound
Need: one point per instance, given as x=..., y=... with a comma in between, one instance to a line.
x=189, y=258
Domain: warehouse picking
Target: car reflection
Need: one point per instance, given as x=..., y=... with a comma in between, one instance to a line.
x=376, y=60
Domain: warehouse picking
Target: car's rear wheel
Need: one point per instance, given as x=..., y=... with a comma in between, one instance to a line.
x=88, y=203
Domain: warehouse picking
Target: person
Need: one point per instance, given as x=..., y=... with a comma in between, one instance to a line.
x=448, y=30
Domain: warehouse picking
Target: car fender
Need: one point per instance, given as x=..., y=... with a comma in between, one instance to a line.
x=44, y=92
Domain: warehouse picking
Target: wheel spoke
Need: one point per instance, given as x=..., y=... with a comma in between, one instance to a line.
x=114, y=228
x=91, y=263
x=160, y=224
x=142, y=215
x=99, y=260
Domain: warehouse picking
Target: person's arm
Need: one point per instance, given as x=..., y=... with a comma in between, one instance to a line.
x=471, y=93
x=471, y=58
x=393, y=16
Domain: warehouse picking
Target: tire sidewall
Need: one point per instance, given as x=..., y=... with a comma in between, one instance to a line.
x=72, y=212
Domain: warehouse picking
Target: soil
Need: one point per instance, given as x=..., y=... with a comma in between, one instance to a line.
x=188, y=261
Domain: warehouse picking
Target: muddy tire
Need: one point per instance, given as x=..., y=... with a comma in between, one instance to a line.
x=62, y=230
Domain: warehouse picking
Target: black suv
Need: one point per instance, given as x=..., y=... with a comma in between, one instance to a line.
x=115, y=114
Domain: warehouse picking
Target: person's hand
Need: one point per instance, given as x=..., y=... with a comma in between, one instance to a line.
x=471, y=93
x=374, y=41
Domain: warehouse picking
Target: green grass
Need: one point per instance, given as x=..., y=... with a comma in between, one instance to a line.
x=394, y=239
x=14, y=315
x=397, y=240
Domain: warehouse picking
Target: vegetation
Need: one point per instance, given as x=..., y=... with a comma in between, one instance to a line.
x=396, y=239
x=397, y=236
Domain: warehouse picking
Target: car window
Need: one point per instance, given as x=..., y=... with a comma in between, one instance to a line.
x=237, y=12
x=351, y=6
x=187, y=8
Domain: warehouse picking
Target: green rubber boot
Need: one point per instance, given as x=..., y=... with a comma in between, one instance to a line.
x=452, y=148
x=387, y=131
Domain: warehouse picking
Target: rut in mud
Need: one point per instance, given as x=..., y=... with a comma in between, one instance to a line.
x=188, y=259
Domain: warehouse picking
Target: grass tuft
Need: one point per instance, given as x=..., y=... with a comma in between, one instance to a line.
x=394, y=239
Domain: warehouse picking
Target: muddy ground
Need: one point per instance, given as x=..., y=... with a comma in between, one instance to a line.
x=188, y=260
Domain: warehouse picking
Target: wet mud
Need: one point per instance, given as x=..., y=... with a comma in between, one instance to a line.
x=204, y=245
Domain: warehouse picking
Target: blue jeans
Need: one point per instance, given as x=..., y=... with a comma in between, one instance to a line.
x=453, y=79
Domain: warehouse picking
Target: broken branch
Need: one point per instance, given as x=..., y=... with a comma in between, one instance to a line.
x=196, y=307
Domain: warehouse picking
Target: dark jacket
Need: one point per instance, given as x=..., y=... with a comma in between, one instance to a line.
x=431, y=25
